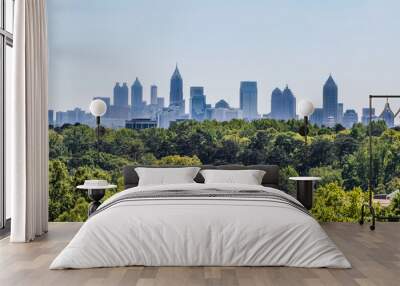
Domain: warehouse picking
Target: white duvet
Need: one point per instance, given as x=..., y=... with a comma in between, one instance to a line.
x=200, y=231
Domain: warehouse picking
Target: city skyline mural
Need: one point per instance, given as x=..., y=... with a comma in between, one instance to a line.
x=94, y=45
x=127, y=107
x=221, y=81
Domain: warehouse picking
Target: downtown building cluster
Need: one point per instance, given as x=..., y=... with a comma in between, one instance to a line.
x=140, y=114
x=332, y=113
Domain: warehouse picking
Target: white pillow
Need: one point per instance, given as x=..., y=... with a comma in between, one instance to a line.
x=166, y=176
x=248, y=177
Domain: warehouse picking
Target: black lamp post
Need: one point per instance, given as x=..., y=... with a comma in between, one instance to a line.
x=305, y=129
x=306, y=108
x=98, y=108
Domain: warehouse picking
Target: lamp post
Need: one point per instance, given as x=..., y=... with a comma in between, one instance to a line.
x=306, y=108
x=98, y=108
x=305, y=184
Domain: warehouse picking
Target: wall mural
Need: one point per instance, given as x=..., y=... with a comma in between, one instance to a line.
x=199, y=82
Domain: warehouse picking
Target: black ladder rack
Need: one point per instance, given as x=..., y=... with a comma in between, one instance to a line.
x=370, y=184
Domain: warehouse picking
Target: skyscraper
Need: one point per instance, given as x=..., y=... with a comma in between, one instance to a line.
x=50, y=115
x=120, y=108
x=116, y=95
x=289, y=104
x=330, y=101
x=365, y=115
x=136, y=98
x=197, y=103
x=276, y=104
x=121, y=95
x=317, y=117
x=153, y=95
x=176, y=92
x=350, y=117
x=283, y=104
x=160, y=102
x=248, y=99
x=340, y=113
x=387, y=115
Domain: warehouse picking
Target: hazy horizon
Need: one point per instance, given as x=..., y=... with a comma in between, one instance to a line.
x=93, y=44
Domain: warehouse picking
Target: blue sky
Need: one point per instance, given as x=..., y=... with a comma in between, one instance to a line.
x=94, y=43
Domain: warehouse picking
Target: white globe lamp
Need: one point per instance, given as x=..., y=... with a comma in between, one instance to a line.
x=306, y=108
x=98, y=108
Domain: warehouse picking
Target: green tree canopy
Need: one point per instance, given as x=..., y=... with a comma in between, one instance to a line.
x=332, y=203
x=340, y=157
x=328, y=175
x=60, y=189
x=176, y=160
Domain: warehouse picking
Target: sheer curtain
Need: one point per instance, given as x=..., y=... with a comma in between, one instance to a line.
x=27, y=123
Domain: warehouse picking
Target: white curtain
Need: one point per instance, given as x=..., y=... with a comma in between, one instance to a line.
x=27, y=123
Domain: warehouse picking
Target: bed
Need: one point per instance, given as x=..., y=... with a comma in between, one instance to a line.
x=198, y=224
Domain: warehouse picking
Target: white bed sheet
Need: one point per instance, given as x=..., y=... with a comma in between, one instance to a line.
x=201, y=232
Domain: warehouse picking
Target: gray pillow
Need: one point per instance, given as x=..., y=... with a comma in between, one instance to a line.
x=248, y=177
x=166, y=176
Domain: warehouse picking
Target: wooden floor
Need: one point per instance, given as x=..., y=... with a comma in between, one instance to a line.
x=375, y=257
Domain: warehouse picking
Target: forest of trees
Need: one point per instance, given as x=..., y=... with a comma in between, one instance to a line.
x=340, y=156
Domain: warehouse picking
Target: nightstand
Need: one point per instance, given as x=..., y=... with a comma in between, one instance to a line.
x=305, y=189
x=95, y=193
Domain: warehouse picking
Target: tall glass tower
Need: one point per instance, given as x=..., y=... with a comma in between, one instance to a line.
x=289, y=104
x=387, y=115
x=248, y=99
x=276, y=104
x=136, y=97
x=330, y=102
x=283, y=104
x=197, y=103
x=340, y=113
x=121, y=95
x=153, y=94
x=176, y=91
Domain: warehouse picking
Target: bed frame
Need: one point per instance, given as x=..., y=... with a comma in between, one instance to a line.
x=270, y=179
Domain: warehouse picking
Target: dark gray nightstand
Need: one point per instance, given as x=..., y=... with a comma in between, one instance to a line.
x=305, y=189
x=95, y=193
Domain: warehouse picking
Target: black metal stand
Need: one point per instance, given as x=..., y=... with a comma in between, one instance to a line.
x=370, y=183
x=305, y=129
x=305, y=193
x=95, y=196
x=98, y=134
